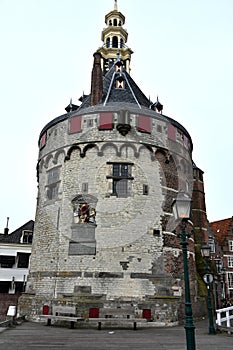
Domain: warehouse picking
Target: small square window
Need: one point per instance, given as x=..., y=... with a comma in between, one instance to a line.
x=156, y=233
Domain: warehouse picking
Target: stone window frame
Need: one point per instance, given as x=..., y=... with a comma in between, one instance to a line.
x=121, y=177
x=53, y=182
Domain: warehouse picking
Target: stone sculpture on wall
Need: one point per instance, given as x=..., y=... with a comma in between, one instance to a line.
x=83, y=227
x=84, y=213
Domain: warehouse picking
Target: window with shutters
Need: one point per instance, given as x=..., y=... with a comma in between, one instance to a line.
x=144, y=124
x=105, y=121
x=121, y=178
x=43, y=140
x=75, y=124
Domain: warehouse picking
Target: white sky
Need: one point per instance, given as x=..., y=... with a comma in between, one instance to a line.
x=182, y=51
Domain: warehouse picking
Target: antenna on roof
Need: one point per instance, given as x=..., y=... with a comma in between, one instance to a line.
x=6, y=229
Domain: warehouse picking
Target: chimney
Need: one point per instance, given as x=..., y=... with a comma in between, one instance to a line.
x=96, y=80
x=6, y=229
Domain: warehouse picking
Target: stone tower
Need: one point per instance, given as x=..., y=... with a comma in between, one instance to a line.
x=108, y=172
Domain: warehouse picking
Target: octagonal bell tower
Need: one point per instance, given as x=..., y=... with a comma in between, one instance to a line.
x=108, y=172
x=114, y=38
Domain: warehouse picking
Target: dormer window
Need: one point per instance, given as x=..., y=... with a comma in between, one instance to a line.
x=26, y=237
x=119, y=67
x=120, y=83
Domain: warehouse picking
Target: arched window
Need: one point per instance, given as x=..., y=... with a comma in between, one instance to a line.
x=115, y=41
x=108, y=42
x=115, y=22
x=119, y=23
x=121, y=43
x=110, y=22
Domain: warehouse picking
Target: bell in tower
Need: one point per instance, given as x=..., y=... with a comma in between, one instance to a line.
x=114, y=38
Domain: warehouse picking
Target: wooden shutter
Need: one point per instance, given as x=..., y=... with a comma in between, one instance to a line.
x=43, y=140
x=171, y=132
x=186, y=142
x=144, y=123
x=105, y=121
x=75, y=124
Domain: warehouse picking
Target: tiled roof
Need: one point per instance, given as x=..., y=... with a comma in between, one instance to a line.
x=221, y=228
x=15, y=236
x=130, y=94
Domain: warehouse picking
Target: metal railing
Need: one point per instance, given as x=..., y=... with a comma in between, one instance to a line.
x=224, y=317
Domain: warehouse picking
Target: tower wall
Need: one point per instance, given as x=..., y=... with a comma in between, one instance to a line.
x=124, y=253
x=108, y=174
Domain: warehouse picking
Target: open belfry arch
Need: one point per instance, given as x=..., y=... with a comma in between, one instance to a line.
x=108, y=171
x=114, y=38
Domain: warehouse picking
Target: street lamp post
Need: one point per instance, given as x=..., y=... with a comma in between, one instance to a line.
x=181, y=211
x=208, y=278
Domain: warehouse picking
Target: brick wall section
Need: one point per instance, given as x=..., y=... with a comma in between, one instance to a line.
x=96, y=80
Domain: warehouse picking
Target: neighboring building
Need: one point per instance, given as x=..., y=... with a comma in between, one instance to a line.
x=15, y=251
x=223, y=237
x=108, y=171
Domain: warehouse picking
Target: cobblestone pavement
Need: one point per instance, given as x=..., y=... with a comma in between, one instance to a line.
x=37, y=336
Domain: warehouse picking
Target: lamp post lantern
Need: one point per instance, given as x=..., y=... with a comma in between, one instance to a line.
x=181, y=210
x=208, y=278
